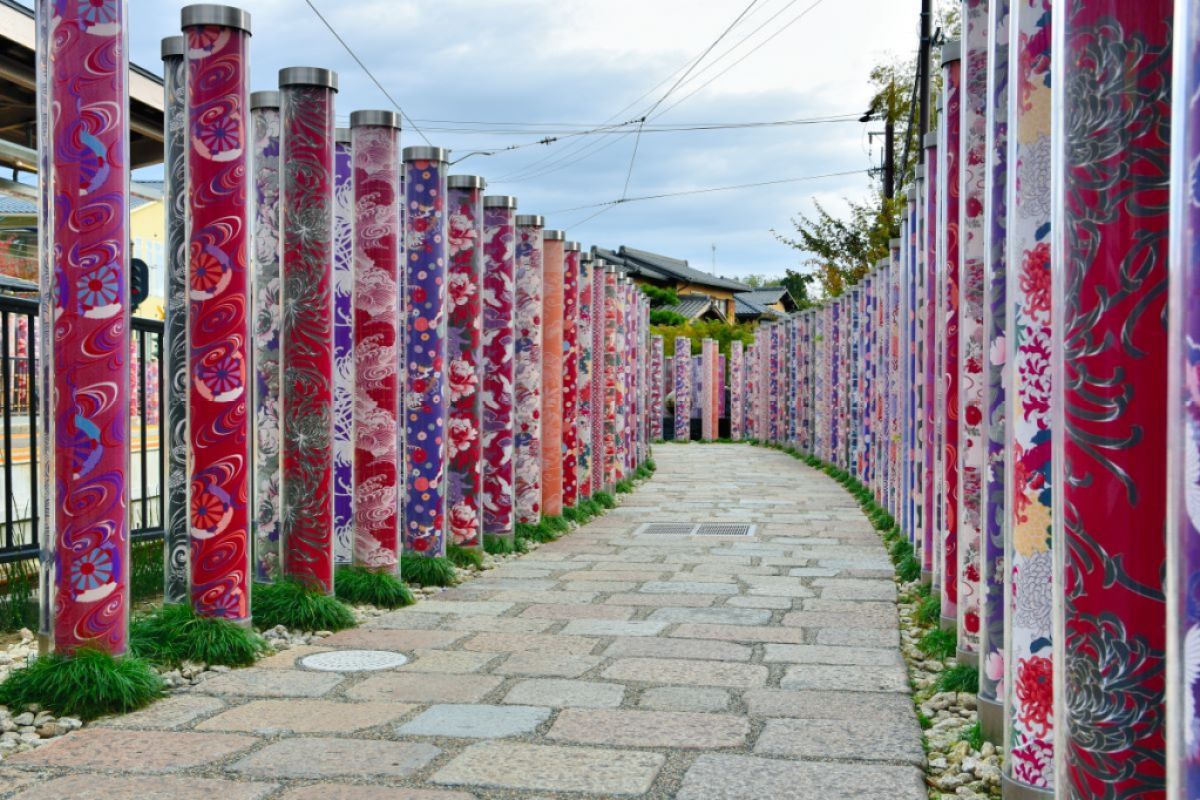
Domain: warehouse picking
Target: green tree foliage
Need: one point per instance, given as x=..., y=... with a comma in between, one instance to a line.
x=665, y=316
x=699, y=330
x=659, y=296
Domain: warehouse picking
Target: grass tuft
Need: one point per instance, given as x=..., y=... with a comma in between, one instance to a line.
x=298, y=607
x=503, y=545
x=176, y=633
x=929, y=611
x=938, y=643
x=427, y=570
x=359, y=586
x=973, y=736
x=605, y=500
x=86, y=685
x=465, y=557
x=924, y=721
x=573, y=514
x=909, y=569
x=556, y=525
x=534, y=533
x=959, y=678
x=901, y=549
x=624, y=486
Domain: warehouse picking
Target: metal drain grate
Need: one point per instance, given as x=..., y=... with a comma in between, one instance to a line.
x=724, y=529
x=354, y=660
x=666, y=529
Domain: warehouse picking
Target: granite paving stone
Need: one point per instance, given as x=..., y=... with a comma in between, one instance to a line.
x=322, y=757
x=530, y=767
x=607, y=627
x=255, y=682
x=563, y=693
x=713, y=616
x=892, y=739
x=169, y=712
x=475, y=721
x=820, y=704
x=685, y=672
x=133, y=751
x=687, y=587
x=392, y=639
x=416, y=687
x=685, y=698
x=550, y=664
x=678, y=648
x=846, y=677
x=739, y=633
x=532, y=643
x=304, y=716
x=821, y=654
x=351, y=791
x=677, y=729
x=734, y=777
x=443, y=661
x=89, y=786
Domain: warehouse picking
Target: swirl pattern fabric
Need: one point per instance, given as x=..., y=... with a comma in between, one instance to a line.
x=343, y=352
x=84, y=214
x=948, y=269
x=527, y=450
x=683, y=388
x=306, y=244
x=218, y=327
x=426, y=394
x=499, y=279
x=375, y=157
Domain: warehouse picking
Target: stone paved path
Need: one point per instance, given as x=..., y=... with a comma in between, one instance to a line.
x=606, y=664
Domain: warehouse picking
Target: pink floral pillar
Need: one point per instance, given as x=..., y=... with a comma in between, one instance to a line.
x=528, y=384
x=611, y=376
x=737, y=389
x=1111, y=151
x=683, y=388
x=375, y=147
x=570, y=389
x=218, y=168
x=84, y=139
x=598, y=373
x=553, y=253
x=1030, y=764
x=427, y=385
x=499, y=280
x=584, y=349
x=306, y=245
x=464, y=351
x=948, y=273
x=929, y=361
x=708, y=388
x=657, y=386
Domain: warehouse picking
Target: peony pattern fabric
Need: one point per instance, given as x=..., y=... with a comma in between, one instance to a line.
x=83, y=275
x=708, y=389
x=218, y=328
x=570, y=389
x=376, y=263
x=658, y=386
x=584, y=409
x=683, y=388
x=499, y=278
x=552, y=377
x=426, y=381
x=1109, y=428
x=176, y=531
x=343, y=351
x=948, y=274
x=527, y=452
x=611, y=370
x=1029, y=544
x=931, y=486
x=598, y=371
x=268, y=433
x=306, y=244
x=464, y=349
x=737, y=389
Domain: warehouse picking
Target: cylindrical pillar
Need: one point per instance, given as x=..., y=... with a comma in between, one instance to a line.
x=306, y=245
x=570, y=389
x=598, y=374
x=737, y=389
x=612, y=370
x=948, y=273
x=708, y=390
x=268, y=433
x=84, y=139
x=1029, y=767
x=218, y=170
x=583, y=423
x=528, y=451
x=683, y=389
x=343, y=346
x=991, y=632
x=929, y=370
x=552, y=371
x=464, y=354
x=499, y=279
x=375, y=159
x=1111, y=107
x=425, y=350
x=174, y=437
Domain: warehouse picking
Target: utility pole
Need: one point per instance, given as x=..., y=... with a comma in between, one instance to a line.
x=714, y=258
x=923, y=74
x=889, y=149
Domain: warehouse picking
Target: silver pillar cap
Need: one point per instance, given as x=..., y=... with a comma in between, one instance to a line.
x=465, y=182
x=499, y=201
x=554, y=235
x=531, y=220
x=425, y=153
x=308, y=76
x=341, y=135
x=375, y=117
x=951, y=51
x=173, y=46
x=211, y=14
x=931, y=139
x=572, y=247
x=264, y=99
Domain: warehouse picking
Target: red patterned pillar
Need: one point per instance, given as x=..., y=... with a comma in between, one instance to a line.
x=552, y=371
x=499, y=279
x=570, y=405
x=948, y=324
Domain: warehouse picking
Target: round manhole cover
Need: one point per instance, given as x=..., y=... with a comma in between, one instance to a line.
x=354, y=660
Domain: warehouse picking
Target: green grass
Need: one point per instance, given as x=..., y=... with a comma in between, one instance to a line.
x=938, y=643
x=18, y=596
x=923, y=590
x=959, y=678
x=574, y=514
x=924, y=721
x=427, y=570
x=176, y=633
x=556, y=525
x=534, y=533
x=503, y=545
x=465, y=557
x=146, y=569
x=87, y=685
x=900, y=549
x=360, y=586
x=624, y=486
x=604, y=500
x=929, y=611
x=909, y=569
x=973, y=736
x=299, y=608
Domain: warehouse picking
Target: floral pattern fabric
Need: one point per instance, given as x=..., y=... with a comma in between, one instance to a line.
x=499, y=279
x=527, y=452
x=343, y=352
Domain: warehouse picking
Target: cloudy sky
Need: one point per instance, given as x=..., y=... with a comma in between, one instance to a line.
x=568, y=65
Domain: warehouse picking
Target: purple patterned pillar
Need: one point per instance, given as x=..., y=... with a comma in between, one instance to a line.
x=527, y=451
x=991, y=639
x=683, y=388
x=1030, y=764
x=84, y=139
x=499, y=281
x=571, y=355
x=1111, y=124
x=426, y=395
x=657, y=386
x=343, y=347
x=737, y=389
x=708, y=390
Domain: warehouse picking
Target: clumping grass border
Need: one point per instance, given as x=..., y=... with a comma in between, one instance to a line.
x=87, y=685
x=958, y=678
x=465, y=557
x=299, y=607
x=427, y=570
x=503, y=545
x=605, y=500
x=174, y=633
x=361, y=586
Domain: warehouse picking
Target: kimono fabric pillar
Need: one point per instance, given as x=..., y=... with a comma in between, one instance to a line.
x=1183, y=516
x=570, y=349
x=683, y=388
x=464, y=349
x=527, y=455
x=583, y=423
x=1111, y=106
x=499, y=280
x=658, y=386
x=375, y=161
x=1029, y=635
x=948, y=319
x=708, y=389
x=991, y=631
x=737, y=390
x=343, y=347
x=929, y=371
x=611, y=395
x=83, y=142
x=552, y=372
x=425, y=404
x=597, y=368
x=218, y=169
x=306, y=334
x=176, y=538
x=264, y=116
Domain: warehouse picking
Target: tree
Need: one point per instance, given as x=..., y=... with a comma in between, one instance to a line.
x=755, y=281
x=797, y=284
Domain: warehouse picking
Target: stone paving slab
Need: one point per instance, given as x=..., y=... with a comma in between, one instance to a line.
x=685, y=698
x=304, y=716
x=549, y=664
x=730, y=777
x=893, y=740
x=255, y=682
x=673, y=729
x=561, y=693
x=828, y=704
x=821, y=654
x=678, y=648
x=349, y=791
x=846, y=677
x=322, y=757
x=526, y=767
x=87, y=786
x=530, y=642
x=475, y=721
x=133, y=751
x=412, y=687
x=169, y=712
x=686, y=672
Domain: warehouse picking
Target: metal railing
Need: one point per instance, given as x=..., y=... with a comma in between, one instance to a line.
x=19, y=425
